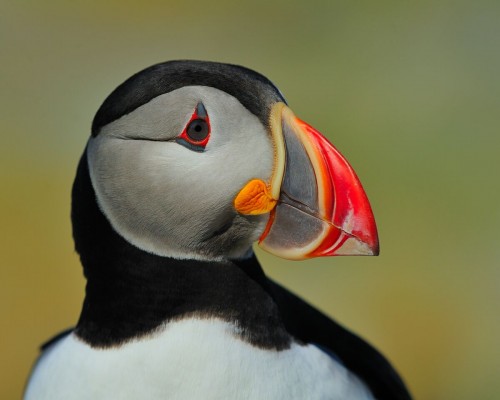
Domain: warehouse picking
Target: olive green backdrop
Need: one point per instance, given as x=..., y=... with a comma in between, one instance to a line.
x=408, y=91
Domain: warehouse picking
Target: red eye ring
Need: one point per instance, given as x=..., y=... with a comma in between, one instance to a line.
x=196, y=134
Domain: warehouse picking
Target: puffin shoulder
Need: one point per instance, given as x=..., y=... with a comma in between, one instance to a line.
x=309, y=325
x=55, y=339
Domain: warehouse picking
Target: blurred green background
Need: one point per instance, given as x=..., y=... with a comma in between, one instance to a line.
x=408, y=91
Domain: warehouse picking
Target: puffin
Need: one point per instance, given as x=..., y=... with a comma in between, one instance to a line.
x=189, y=163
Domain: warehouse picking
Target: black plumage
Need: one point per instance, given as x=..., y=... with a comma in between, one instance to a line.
x=130, y=293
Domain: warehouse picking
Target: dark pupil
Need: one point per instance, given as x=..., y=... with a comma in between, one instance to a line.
x=197, y=130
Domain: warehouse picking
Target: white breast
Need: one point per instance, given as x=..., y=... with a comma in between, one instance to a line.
x=190, y=359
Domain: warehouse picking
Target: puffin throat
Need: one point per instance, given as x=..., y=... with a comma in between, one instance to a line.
x=131, y=293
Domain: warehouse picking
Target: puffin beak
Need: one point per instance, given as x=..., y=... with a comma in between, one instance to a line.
x=316, y=203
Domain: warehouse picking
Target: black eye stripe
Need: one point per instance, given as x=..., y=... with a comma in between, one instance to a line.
x=190, y=146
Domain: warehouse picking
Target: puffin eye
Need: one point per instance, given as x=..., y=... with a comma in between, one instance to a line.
x=196, y=134
x=197, y=130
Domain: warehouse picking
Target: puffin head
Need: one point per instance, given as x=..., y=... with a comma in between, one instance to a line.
x=198, y=160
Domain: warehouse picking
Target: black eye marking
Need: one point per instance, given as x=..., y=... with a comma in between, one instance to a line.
x=201, y=111
x=196, y=134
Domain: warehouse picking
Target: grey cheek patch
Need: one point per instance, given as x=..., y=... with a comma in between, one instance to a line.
x=171, y=200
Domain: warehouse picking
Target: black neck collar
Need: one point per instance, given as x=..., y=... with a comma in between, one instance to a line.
x=131, y=293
